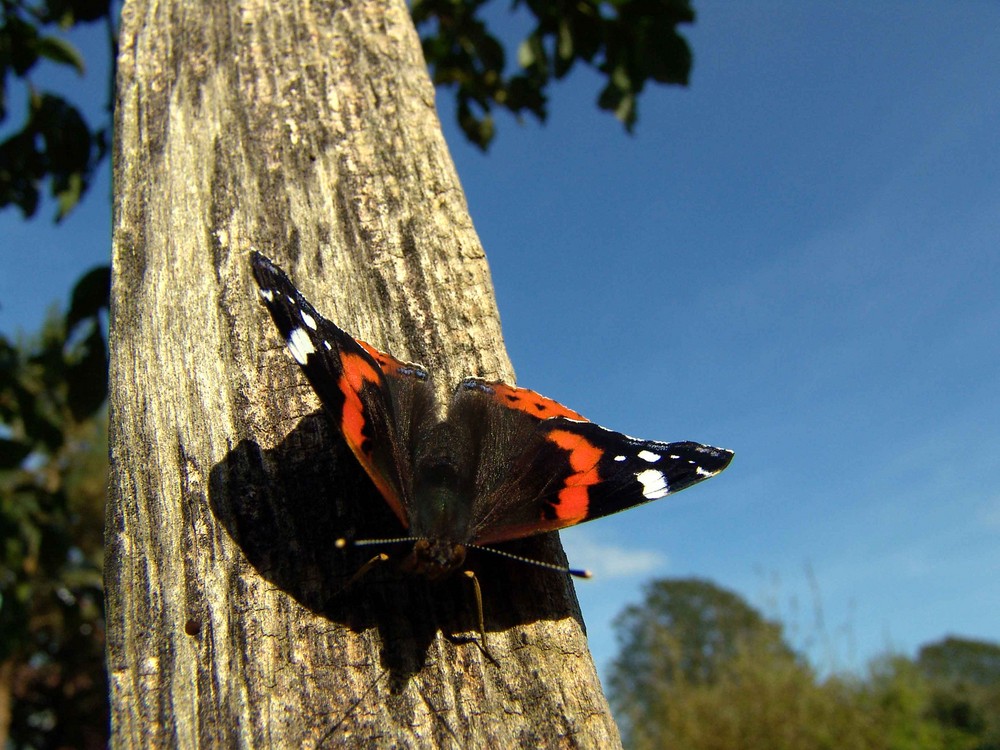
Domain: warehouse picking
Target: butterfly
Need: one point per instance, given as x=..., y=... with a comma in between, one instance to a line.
x=504, y=463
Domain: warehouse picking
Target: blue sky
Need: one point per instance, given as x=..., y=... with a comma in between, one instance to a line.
x=796, y=258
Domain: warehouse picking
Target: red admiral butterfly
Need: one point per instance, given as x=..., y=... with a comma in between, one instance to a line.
x=505, y=463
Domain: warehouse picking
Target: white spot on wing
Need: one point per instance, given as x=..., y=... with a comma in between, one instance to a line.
x=300, y=345
x=654, y=484
x=267, y=294
x=327, y=345
x=702, y=473
x=619, y=458
x=649, y=456
x=308, y=319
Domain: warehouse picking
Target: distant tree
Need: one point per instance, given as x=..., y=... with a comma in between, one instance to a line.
x=691, y=627
x=699, y=669
x=53, y=483
x=682, y=641
x=896, y=699
x=965, y=679
x=961, y=660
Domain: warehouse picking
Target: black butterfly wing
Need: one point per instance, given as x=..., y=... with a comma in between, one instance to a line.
x=560, y=469
x=374, y=399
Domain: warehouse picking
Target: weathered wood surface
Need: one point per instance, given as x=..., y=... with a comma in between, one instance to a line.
x=308, y=131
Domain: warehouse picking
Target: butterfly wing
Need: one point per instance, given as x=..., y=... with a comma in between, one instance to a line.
x=374, y=399
x=565, y=469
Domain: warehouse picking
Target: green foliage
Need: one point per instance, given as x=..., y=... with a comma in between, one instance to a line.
x=965, y=679
x=897, y=699
x=55, y=142
x=677, y=650
x=961, y=660
x=629, y=42
x=699, y=669
x=694, y=628
x=53, y=478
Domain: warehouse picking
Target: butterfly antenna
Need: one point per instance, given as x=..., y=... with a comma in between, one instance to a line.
x=575, y=572
x=344, y=542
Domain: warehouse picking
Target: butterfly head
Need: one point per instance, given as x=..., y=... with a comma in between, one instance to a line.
x=435, y=558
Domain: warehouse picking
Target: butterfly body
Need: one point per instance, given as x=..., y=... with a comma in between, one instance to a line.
x=503, y=463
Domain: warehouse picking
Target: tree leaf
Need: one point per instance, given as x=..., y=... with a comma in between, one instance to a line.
x=40, y=428
x=88, y=378
x=68, y=148
x=68, y=193
x=564, y=47
x=21, y=168
x=21, y=41
x=69, y=12
x=60, y=51
x=526, y=53
x=531, y=54
x=90, y=295
x=12, y=453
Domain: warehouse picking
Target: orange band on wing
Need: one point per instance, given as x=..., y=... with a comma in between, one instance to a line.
x=530, y=402
x=384, y=360
x=357, y=371
x=574, y=497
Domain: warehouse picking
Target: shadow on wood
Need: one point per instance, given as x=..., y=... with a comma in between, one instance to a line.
x=286, y=507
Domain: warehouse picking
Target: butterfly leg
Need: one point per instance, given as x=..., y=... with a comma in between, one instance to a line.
x=380, y=558
x=480, y=621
